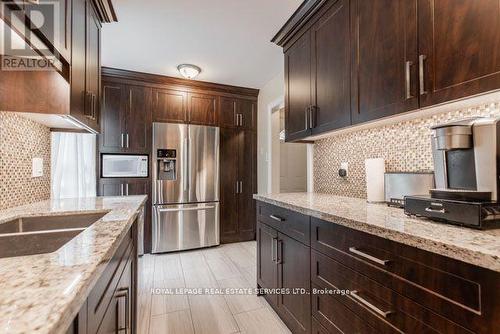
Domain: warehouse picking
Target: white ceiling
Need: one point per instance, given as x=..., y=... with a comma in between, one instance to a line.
x=228, y=39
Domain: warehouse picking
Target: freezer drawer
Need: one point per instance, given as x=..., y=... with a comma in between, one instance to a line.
x=185, y=226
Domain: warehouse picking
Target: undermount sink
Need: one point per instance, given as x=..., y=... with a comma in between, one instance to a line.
x=39, y=235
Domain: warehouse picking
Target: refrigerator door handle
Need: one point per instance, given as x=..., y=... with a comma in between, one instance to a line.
x=198, y=208
x=185, y=177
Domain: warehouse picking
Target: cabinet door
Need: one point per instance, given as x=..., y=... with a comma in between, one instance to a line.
x=109, y=323
x=227, y=112
x=384, y=58
x=169, y=106
x=298, y=88
x=294, y=273
x=331, y=69
x=229, y=145
x=112, y=136
x=246, y=178
x=245, y=109
x=138, y=119
x=55, y=29
x=111, y=187
x=78, y=59
x=137, y=187
x=93, y=67
x=202, y=109
x=459, y=47
x=267, y=269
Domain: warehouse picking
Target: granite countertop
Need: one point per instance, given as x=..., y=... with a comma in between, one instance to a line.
x=43, y=293
x=481, y=248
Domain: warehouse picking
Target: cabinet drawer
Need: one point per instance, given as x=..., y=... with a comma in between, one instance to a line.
x=317, y=328
x=376, y=303
x=459, y=291
x=291, y=223
x=103, y=292
x=337, y=318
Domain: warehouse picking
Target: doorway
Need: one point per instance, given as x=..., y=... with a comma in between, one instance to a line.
x=289, y=161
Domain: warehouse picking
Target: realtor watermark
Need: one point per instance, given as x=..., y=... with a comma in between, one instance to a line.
x=26, y=29
x=247, y=291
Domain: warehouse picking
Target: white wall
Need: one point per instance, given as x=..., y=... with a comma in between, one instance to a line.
x=271, y=95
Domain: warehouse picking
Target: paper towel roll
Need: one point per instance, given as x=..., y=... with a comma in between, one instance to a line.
x=375, y=170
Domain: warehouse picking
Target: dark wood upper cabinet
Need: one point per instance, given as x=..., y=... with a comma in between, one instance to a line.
x=384, y=58
x=138, y=120
x=227, y=112
x=459, y=48
x=85, y=68
x=298, y=88
x=169, y=106
x=93, y=66
x=126, y=118
x=331, y=69
x=353, y=61
x=113, y=117
x=55, y=31
x=203, y=109
x=246, y=111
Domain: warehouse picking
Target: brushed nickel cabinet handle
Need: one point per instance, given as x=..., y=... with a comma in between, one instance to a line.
x=279, y=246
x=277, y=218
x=126, y=189
x=421, y=74
x=368, y=256
x=237, y=187
x=408, y=66
x=435, y=210
x=274, y=246
x=121, y=189
x=241, y=187
x=306, y=111
x=128, y=141
x=355, y=294
x=122, y=139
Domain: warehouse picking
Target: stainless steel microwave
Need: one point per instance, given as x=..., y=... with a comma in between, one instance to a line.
x=122, y=165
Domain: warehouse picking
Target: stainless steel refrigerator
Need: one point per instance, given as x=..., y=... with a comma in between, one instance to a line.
x=185, y=186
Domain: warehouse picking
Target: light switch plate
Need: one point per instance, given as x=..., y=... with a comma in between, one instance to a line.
x=37, y=167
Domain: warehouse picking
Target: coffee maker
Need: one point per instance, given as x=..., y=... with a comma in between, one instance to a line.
x=466, y=158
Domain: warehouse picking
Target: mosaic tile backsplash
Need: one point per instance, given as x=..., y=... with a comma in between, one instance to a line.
x=21, y=140
x=405, y=146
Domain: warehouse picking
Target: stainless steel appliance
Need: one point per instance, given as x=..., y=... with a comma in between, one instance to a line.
x=397, y=185
x=466, y=156
x=185, y=187
x=465, y=159
x=124, y=165
x=140, y=232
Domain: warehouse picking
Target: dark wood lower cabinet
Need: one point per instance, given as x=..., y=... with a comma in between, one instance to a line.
x=294, y=306
x=238, y=184
x=283, y=263
x=130, y=187
x=361, y=283
x=267, y=270
x=111, y=306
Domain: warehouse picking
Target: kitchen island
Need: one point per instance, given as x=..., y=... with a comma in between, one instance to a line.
x=44, y=293
x=385, y=272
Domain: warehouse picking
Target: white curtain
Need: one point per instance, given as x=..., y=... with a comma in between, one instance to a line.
x=73, y=168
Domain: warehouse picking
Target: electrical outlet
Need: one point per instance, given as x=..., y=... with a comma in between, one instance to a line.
x=344, y=169
x=37, y=167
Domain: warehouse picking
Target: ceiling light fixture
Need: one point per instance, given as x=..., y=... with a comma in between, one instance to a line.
x=188, y=71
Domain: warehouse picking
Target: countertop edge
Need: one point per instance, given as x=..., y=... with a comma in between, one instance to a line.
x=480, y=259
x=82, y=294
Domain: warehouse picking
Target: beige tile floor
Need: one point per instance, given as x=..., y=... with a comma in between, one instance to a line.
x=225, y=266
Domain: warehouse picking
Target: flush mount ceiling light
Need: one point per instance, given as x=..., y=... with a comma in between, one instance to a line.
x=188, y=71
